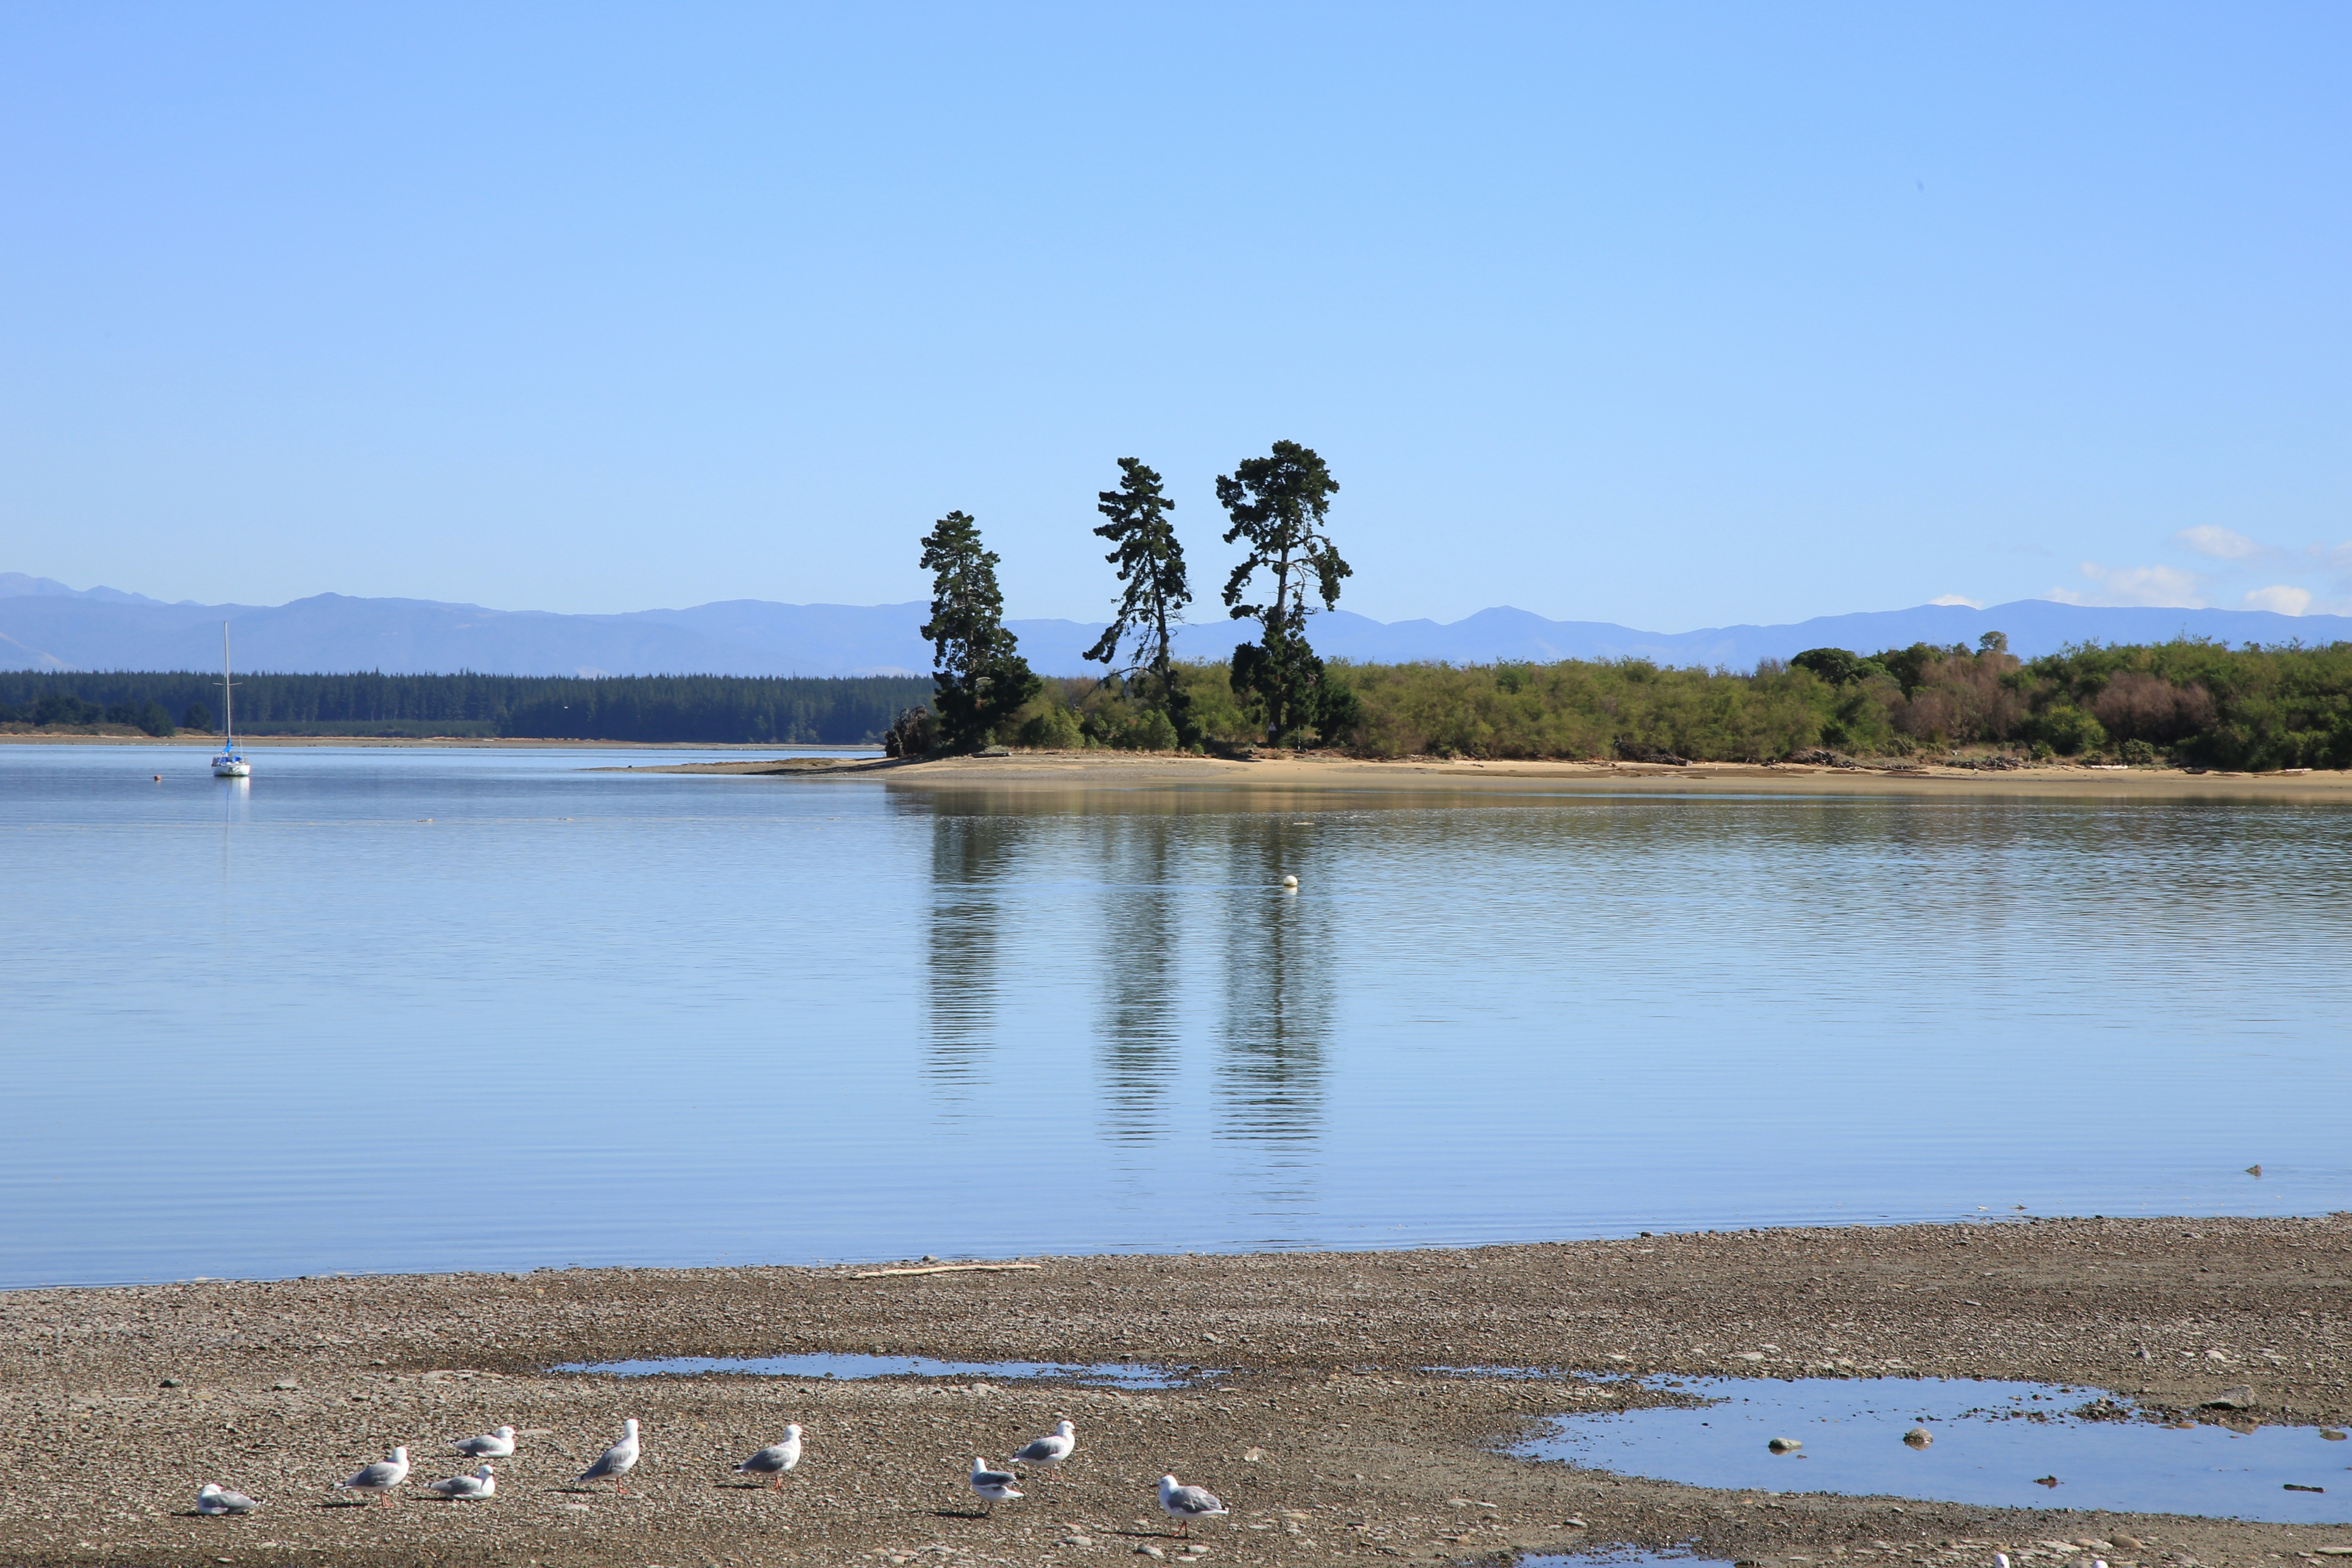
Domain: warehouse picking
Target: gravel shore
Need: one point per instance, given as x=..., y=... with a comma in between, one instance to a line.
x=1324, y=1434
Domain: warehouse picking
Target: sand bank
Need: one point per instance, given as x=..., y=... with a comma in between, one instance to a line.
x=1326, y=1436
x=1048, y=771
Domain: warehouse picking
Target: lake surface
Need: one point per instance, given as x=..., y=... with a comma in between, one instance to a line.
x=430, y=1009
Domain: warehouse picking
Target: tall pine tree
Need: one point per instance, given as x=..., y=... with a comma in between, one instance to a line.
x=1150, y=562
x=1278, y=504
x=979, y=678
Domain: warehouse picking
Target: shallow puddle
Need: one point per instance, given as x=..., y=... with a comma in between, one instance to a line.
x=1121, y=1374
x=1629, y=1558
x=2000, y=1444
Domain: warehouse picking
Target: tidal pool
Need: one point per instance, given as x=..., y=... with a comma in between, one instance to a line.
x=825, y=1364
x=2004, y=1445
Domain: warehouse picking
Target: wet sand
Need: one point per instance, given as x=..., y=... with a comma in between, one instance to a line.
x=1029, y=771
x=1327, y=1437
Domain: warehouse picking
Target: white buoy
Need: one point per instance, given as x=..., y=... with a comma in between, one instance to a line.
x=1291, y=883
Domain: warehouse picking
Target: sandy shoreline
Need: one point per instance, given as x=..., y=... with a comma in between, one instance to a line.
x=1049, y=771
x=1326, y=1435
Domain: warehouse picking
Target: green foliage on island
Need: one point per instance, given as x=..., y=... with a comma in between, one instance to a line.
x=2188, y=703
x=713, y=708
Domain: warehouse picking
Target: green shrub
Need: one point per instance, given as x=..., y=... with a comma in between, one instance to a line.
x=1053, y=728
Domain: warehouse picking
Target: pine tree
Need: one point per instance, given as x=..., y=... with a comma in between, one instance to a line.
x=1150, y=562
x=1278, y=504
x=979, y=678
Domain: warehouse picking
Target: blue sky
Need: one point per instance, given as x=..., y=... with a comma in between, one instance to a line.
x=1673, y=316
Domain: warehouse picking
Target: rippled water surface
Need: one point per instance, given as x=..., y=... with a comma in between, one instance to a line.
x=446, y=1009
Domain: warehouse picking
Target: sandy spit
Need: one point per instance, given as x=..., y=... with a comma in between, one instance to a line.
x=1495, y=782
x=1328, y=1438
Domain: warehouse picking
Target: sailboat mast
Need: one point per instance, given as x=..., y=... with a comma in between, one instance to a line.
x=228, y=697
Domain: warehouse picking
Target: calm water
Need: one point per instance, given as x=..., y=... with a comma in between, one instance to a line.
x=823, y=1364
x=1995, y=1444
x=580, y=1017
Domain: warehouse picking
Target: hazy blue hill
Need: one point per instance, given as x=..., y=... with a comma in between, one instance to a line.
x=45, y=625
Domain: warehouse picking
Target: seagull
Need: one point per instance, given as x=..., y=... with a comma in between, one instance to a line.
x=214, y=1500
x=990, y=1484
x=497, y=1445
x=380, y=1476
x=617, y=1460
x=1048, y=1452
x=776, y=1457
x=1185, y=1504
x=468, y=1489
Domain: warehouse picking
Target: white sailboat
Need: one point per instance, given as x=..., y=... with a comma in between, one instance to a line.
x=229, y=765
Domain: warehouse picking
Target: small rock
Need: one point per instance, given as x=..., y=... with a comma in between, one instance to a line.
x=1078, y=1540
x=2239, y=1398
x=1253, y=1455
x=1574, y=1524
x=286, y=1385
x=2331, y=1434
x=2046, y=1480
x=1148, y=1550
x=1784, y=1445
x=169, y=1383
x=2128, y=1542
x=1918, y=1437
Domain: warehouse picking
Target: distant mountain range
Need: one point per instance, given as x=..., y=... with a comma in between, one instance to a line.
x=43, y=624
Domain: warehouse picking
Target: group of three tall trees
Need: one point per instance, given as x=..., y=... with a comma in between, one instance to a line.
x=1277, y=506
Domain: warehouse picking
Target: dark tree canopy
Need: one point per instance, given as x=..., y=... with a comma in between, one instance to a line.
x=979, y=677
x=1278, y=504
x=1150, y=562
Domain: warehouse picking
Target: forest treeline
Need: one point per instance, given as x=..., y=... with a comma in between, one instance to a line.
x=780, y=709
x=2193, y=702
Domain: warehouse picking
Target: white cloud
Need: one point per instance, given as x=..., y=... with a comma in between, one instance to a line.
x=2221, y=543
x=2286, y=601
x=1955, y=599
x=2164, y=586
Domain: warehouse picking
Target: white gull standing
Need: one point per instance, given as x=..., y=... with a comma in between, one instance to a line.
x=776, y=1457
x=1185, y=1504
x=617, y=1460
x=216, y=1498
x=468, y=1489
x=380, y=1476
x=497, y=1445
x=990, y=1486
x=1050, y=1450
